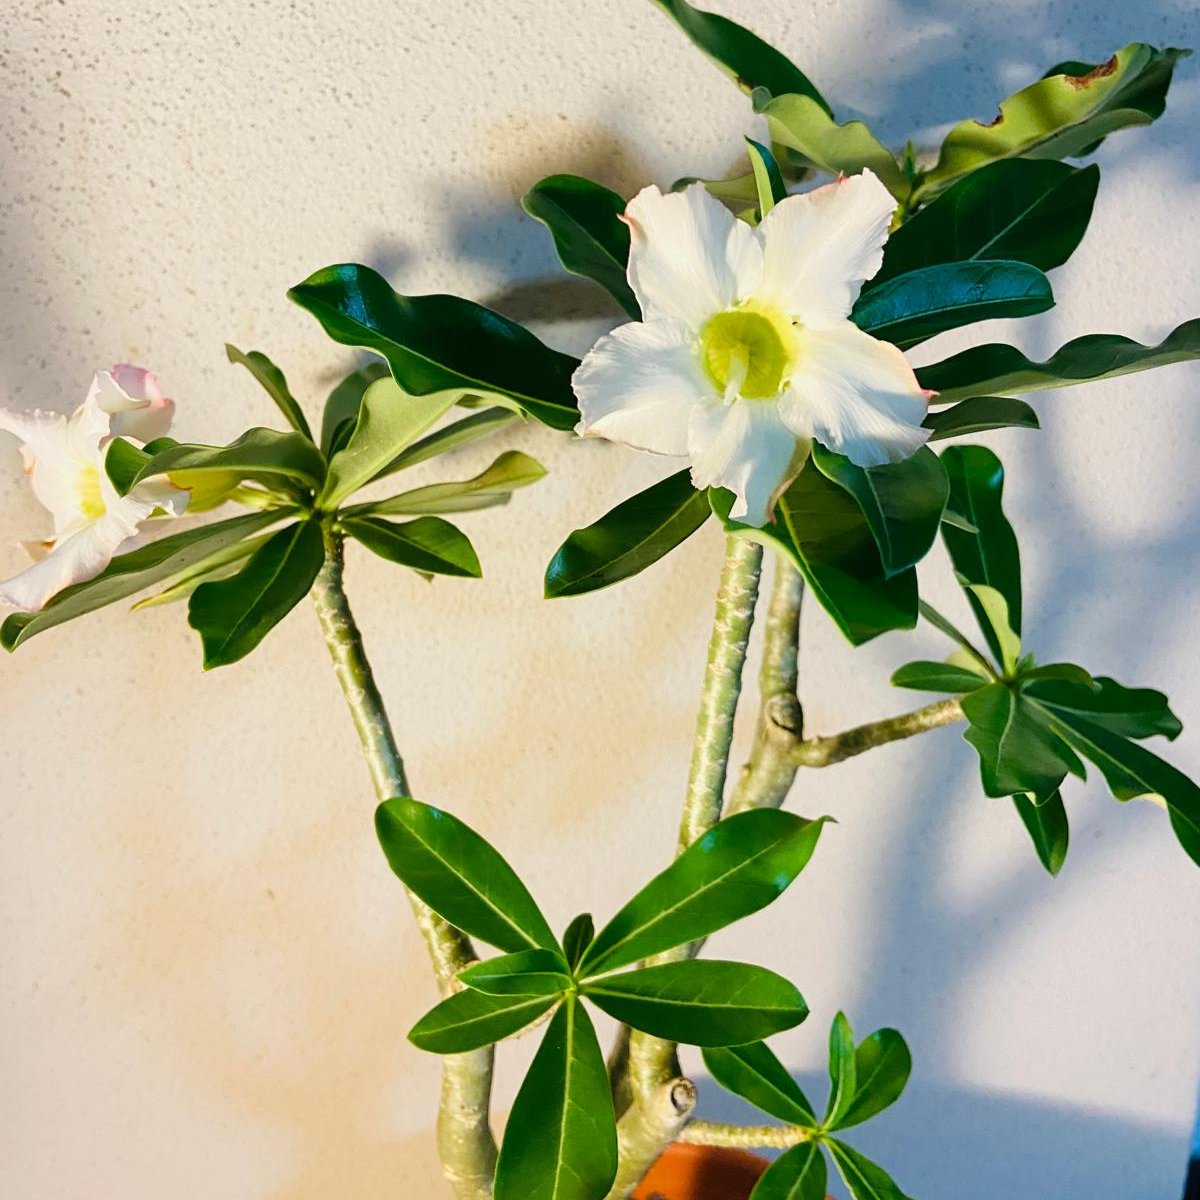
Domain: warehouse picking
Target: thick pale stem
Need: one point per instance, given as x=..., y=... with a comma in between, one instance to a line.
x=745, y=1137
x=825, y=751
x=465, y=1141
x=646, y=1129
x=768, y=776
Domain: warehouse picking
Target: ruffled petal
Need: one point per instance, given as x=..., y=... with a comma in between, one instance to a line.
x=639, y=384
x=857, y=396
x=50, y=452
x=820, y=246
x=689, y=257
x=133, y=402
x=746, y=448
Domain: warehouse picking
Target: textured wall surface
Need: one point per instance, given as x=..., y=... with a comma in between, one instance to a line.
x=207, y=969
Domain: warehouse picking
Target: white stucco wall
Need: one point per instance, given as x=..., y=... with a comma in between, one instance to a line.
x=207, y=969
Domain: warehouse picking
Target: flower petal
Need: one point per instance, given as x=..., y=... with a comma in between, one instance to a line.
x=137, y=382
x=857, y=396
x=689, y=257
x=747, y=448
x=639, y=384
x=133, y=401
x=820, y=246
x=49, y=448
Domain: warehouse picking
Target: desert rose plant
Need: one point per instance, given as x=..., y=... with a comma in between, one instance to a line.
x=769, y=316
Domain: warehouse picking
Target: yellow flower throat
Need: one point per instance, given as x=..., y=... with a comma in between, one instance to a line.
x=749, y=351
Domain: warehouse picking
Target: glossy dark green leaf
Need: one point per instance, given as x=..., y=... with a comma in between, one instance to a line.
x=768, y=178
x=341, y=408
x=233, y=615
x=525, y=973
x=808, y=130
x=428, y=544
x=577, y=938
x=584, y=219
x=560, y=1142
x=998, y=369
x=1018, y=750
x=842, y=1071
x=821, y=529
x=273, y=382
x=442, y=343
x=460, y=876
x=1047, y=826
x=746, y=57
x=978, y=415
x=493, y=486
x=741, y=865
x=460, y=433
x=163, y=560
x=798, y=1174
x=1020, y=209
x=882, y=1065
x=701, y=1002
x=990, y=556
x=264, y=456
x=1129, y=712
x=902, y=502
x=938, y=677
x=1132, y=771
x=922, y=303
x=753, y=1072
x=628, y=538
x=470, y=1019
x=865, y=1179
x=122, y=462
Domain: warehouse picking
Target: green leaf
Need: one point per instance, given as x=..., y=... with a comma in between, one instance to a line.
x=460, y=876
x=495, y=485
x=1018, y=750
x=265, y=456
x=801, y=124
x=442, y=343
x=992, y=611
x=577, y=938
x=701, y=1002
x=428, y=544
x=768, y=178
x=388, y=420
x=882, y=1065
x=591, y=239
x=1000, y=369
x=746, y=57
x=753, y=1072
x=970, y=656
x=741, y=865
x=1061, y=116
x=842, y=1067
x=1129, y=712
x=560, y=1142
x=165, y=559
x=938, y=677
x=865, y=1180
x=272, y=380
x=923, y=303
x=902, y=502
x=452, y=437
x=740, y=192
x=1020, y=209
x=990, y=556
x=1132, y=771
x=221, y=564
x=525, y=973
x=978, y=415
x=122, y=462
x=233, y=615
x=822, y=531
x=470, y=1019
x=798, y=1174
x=628, y=538
x=1047, y=826
x=341, y=407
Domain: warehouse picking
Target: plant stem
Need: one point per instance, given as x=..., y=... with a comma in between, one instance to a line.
x=768, y=776
x=825, y=751
x=465, y=1141
x=745, y=1137
x=652, y=1065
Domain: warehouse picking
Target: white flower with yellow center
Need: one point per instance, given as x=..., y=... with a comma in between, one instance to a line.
x=745, y=352
x=64, y=459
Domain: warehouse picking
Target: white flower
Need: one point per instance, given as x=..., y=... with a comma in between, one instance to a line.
x=64, y=459
x=745, y=352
